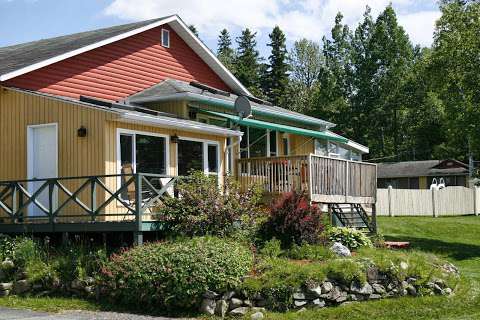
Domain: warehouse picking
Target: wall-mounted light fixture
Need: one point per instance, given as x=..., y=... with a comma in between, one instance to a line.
x=82, y=132
x=174, y=138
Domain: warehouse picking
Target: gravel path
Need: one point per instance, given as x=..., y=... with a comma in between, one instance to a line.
x=20, y=314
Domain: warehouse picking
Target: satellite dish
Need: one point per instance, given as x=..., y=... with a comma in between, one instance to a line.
x=243, y=107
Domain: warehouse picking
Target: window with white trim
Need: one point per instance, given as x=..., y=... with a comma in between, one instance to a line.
x=258, y=142
x=143, y=153
x=165, y=38
x=197, y=155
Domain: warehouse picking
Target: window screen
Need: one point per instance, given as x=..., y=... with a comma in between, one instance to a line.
x=190, y=156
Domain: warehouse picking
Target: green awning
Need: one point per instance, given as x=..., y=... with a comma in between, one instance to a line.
x=248, y=122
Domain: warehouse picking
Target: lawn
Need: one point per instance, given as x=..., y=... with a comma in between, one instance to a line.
x=457, y=239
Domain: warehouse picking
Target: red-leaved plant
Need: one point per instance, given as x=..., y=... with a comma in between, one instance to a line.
x=293, y=220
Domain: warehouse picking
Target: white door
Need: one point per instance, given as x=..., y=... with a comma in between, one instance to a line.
x=42, y=162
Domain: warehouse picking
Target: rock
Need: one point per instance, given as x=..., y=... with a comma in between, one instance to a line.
x=334, y=294
x=366, y=289
x=372, y=274
x=2, y=275
x=411, y=290
x=440, y=283
x=210, y=295
x=437, y=289
x=221, y=308
x=257, y=315
x=257, y=309
x=315, y=291
x=89, y=289
x=319, y=303
x=327, y=287
x=340, y=250
x=342, y=298
x=302, y=310
x=299, y=295
x=228, y=295
x=235, y=303
x=261, y=302
x=352, y=297
x=77, y=284
x=448, y=291
x=299, y=303
x=241, y=311
x=403, y=265
x=374, y=296
x=247, y=303
x=6, y=286
x=450, y=268
x=404, y=284
x=21, y=286
x=7, y=264
x=208, y=306
x=22, y=275
x=411, y=280
x=378, y=288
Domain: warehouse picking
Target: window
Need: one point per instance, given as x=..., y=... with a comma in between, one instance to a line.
x=286, y=145
x=332, y=150
x=355, y=156
x=197, y=155
x=273, y=143
x=321, y=147
x=190, y=156
x=143, y=153
x=165, y=38
x=343, y=153
x=258, y=142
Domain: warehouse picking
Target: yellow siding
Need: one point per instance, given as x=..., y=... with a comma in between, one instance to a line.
x=422, y=183
x=94, y=154
x=301, y=145
x=178, y=108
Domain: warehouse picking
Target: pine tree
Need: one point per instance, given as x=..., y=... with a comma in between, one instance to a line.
x=193, y=29
x=225, y=53
x=276, y=81
x=247, y=67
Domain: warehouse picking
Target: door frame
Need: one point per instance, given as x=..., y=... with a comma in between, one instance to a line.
x=30, y=146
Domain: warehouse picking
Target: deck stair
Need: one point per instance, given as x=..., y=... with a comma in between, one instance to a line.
x=352, y=215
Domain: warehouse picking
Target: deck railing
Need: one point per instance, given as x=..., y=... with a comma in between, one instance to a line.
x=128, y=197
x=327, y=180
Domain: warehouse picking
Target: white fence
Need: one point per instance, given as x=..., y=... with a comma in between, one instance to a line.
x=450, y=201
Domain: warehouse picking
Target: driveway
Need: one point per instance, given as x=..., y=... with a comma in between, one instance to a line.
x=20, y=314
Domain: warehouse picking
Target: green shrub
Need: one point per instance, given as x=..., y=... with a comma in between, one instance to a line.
x=271, y=248
x=206, y=209
x=293, y=220
x=349, y=237
x=314, y=252
x=26, y=251
x=7, y=245
x=175, y=274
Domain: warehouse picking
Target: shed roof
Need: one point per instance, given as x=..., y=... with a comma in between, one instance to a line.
x=421, y=168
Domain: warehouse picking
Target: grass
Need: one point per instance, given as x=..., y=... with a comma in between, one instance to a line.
x=456, y=239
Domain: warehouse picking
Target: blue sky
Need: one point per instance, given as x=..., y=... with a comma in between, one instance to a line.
x=28, y=20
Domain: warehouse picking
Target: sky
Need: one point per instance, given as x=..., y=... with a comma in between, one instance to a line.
x=28, y=20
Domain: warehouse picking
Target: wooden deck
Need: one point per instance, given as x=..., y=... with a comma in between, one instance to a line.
x=325, y=180
x=127, y=202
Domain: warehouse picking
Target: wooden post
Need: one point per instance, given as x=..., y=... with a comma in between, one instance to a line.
x=51, y=187
x=434, y=209
x=138, y=234
x=93, y=199
x=374, y=218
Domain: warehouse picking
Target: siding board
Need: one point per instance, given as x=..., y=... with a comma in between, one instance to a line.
x=122, y=68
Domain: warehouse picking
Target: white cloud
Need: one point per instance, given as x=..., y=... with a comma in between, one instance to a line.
x=420, y=26
x=311, y=19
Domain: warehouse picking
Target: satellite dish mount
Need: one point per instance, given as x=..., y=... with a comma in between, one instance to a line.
x=243, y=107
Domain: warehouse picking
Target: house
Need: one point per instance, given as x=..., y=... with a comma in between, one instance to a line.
x=97, y=126
x=421, y=174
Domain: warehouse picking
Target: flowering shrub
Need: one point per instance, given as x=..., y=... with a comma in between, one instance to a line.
x=175, y=274
x=349, y=237
x=293, y=220
x=204, y=208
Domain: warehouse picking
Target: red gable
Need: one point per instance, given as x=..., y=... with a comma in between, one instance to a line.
x=121, y=68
